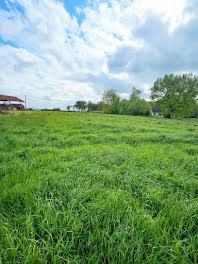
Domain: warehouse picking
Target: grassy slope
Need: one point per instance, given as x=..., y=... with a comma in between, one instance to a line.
x=92, y=188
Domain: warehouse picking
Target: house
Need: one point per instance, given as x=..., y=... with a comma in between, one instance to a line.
x=9, y=102
x=156, y=111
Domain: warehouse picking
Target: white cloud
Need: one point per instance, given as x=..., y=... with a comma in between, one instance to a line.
x=57, y=61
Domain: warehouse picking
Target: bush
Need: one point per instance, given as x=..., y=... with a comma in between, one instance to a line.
x=139, y=107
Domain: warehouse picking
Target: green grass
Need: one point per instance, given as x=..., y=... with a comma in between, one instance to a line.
x=93, y=188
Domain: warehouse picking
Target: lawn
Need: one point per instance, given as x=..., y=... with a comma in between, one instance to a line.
x=95, y=188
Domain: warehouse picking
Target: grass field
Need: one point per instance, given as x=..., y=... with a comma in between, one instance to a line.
x=93, y=188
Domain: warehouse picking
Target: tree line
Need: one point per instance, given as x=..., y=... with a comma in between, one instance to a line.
x=171, y=96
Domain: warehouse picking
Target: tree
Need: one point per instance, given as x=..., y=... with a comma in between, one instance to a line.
x=176, y=94
x=124, y=105
x=77, y=105
x=116, y=106
x=92, y=107
x=83, y=105
x=135, y=94
x=194, y=112
x=80, y=105
x=69, y=107
x=139, y=107
x=99, y=106
x=110, y=102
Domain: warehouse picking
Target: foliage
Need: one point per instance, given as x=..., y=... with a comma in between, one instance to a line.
x=116, y=106
x=135, y=94
x=69, y=107
x=53, y=109
x=124, y=105
x=194, y=112
x=81, y=105
x=176, y=94
x=134, y=106
x=139, y=107
x=110, y=102
x=94, y=106
x=78, y=188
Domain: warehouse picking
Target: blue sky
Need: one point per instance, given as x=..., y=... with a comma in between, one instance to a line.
x=57, y=52
x=71, y=6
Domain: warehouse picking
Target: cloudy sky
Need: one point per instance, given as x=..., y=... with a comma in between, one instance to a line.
x=59, y=51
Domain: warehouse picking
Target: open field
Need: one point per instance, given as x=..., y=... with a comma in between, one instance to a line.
x=93, y=188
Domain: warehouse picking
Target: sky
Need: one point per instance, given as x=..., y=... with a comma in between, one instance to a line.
x=59, y=51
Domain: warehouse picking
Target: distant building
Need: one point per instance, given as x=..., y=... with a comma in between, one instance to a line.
x=156, y=111
x=9, y=102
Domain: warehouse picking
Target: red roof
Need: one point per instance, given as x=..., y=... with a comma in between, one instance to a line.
x=10, y=98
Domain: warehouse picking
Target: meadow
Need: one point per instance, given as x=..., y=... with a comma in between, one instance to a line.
x=95, y=188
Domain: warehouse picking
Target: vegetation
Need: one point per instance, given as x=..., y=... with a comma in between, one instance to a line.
x=112, y=104
x=136, y=106
x=69, y=107
x=94, y=107
x=80, y=105
x=93, y=188
x=83, y=106
x=176, y=94
x=172, y=96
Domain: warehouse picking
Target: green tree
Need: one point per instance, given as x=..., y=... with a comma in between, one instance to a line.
x=99, y=106
x=80, y=105
x=139, y=107
x=194, y=112
x=124, y=105
x=90, y=106
x=94, y=107
x=69, y=107
x=110, y=102
x=83, y=105
x=176, y=94
x=116, y=106
x=135, y=105
x=135, y=94
x=77, y=105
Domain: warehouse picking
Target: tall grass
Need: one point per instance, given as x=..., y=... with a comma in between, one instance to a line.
x=93, y=188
